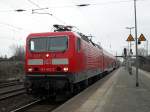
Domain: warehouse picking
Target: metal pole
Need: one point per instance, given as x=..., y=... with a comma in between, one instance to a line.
x=130, y=41
x=147, y=47
x=130, y=47
x=136, y=45
x=130, y=30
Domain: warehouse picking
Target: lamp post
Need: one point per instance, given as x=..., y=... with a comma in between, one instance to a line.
x=136, y=44
x=147, y=47
x=130, y=28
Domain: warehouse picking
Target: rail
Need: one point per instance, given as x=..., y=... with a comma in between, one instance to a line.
x=10, y=91
x=20, y=109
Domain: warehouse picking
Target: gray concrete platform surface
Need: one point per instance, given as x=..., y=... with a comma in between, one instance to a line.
x=115, y=93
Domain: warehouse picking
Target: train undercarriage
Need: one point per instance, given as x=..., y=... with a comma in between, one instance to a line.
x=50, y=87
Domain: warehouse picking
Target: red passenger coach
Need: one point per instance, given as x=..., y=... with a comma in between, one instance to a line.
x=63, y=60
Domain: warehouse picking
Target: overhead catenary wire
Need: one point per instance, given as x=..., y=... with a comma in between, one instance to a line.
x=12, y=26
x=6, y=11
x=87, y=4
x=14, y=29
x=40, y=8
x=58, y=19
x=91, y=4
x=83, y=16
x=78, y=5
x=34, y=3
x=111, y=2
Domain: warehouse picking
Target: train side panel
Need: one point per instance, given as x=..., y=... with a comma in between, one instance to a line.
x=89, y=61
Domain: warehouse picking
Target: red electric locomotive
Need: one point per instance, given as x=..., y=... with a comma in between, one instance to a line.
x=63, y=61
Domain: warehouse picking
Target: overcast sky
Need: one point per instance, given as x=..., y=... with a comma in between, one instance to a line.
x=106, y=20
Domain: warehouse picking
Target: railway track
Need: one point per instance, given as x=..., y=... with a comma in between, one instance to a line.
x=38, y=106
x=11, y=90
x=10, y=83
x=23, y=108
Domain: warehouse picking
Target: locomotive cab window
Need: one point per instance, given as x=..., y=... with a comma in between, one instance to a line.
x=48, y=44
x=38, y=44
x=78, y=44
x=31, y=45
x=57, y=44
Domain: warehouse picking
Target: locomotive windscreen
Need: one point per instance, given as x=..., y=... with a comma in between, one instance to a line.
x=51, y=44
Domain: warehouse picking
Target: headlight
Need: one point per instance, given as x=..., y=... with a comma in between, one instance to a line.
x=65, y=69
x=30, y=69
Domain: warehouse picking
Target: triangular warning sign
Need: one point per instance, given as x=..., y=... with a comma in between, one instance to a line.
x=130, y=38
x=142, y=38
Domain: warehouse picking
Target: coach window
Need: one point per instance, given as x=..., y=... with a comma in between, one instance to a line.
x=78, y=44
x=32, y=45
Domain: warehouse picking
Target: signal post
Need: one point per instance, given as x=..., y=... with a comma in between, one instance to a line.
x=129, y=61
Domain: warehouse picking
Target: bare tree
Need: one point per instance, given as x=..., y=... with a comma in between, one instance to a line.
x=18, y=52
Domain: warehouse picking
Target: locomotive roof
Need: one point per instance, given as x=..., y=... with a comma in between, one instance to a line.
x=49, y=33
x=108, y=54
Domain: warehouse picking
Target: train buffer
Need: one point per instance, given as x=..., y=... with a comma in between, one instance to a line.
x=114, y=93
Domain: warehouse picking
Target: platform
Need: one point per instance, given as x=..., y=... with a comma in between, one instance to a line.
x=115, y=93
